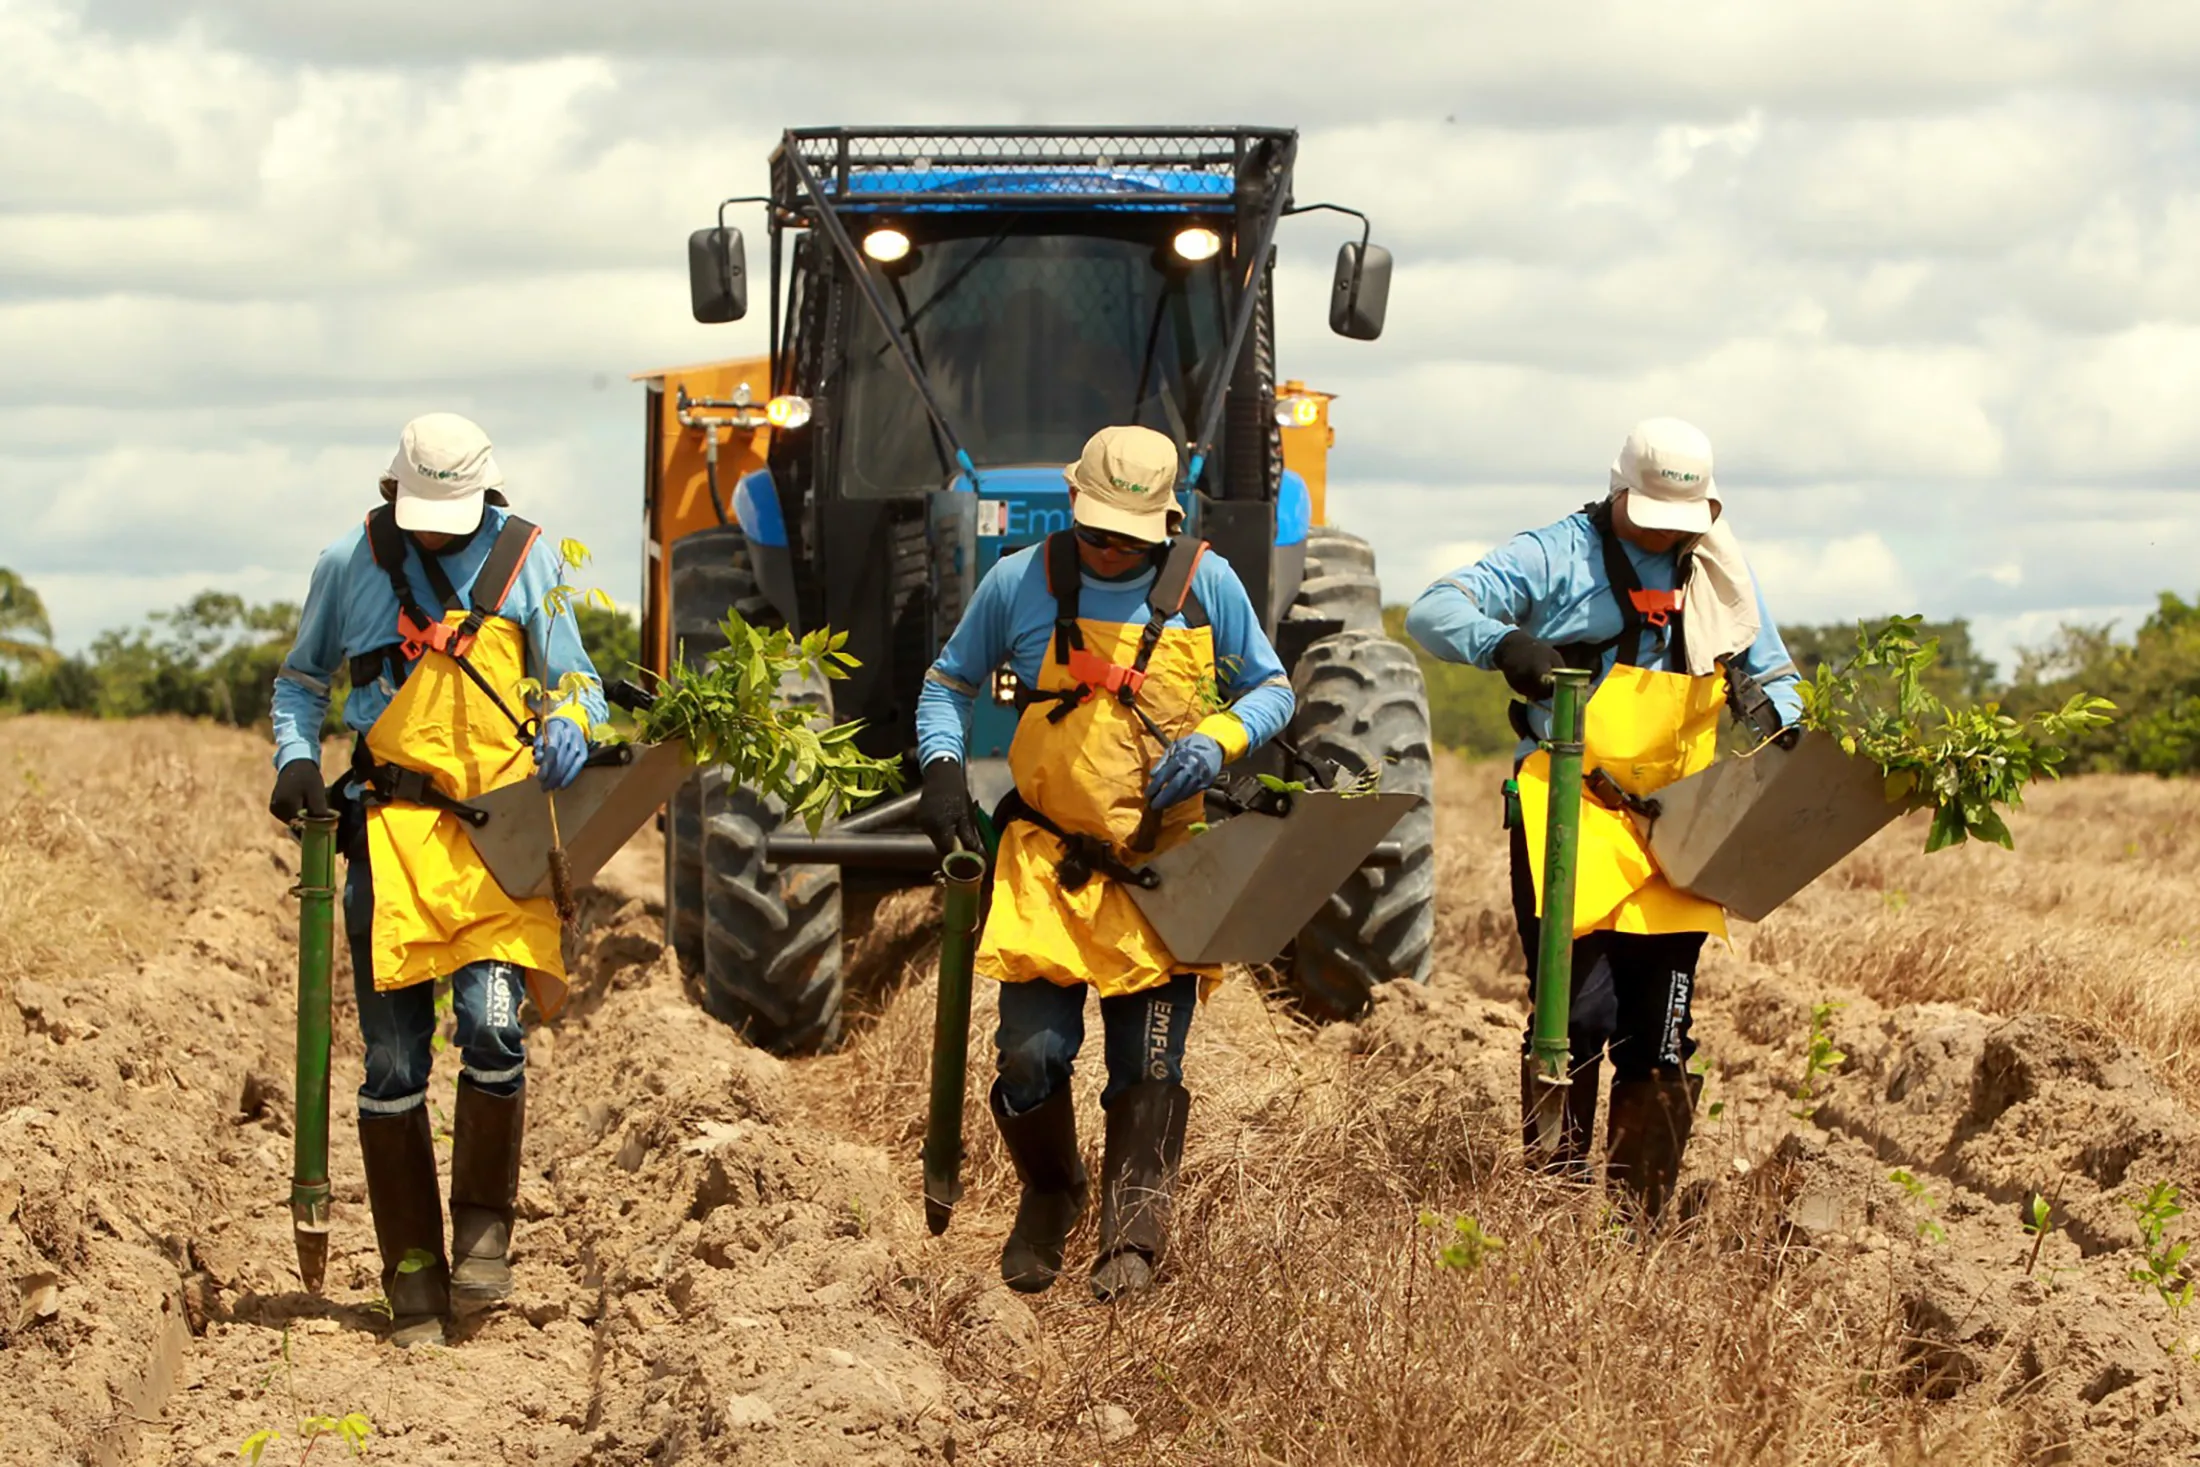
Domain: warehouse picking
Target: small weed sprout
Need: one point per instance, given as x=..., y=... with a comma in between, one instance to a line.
x=1471, y=1245
x=1927, y=1228
x=1822, y=1058
x=438, y=1041
x=253, y=1446
x=1701, y=1069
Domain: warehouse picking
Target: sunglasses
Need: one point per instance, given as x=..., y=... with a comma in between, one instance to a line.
x=1109, y=540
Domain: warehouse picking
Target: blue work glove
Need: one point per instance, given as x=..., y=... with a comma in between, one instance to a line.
x=560, y=750
x=1188, y=768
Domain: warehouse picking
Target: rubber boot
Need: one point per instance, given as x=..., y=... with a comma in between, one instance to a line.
x=1648, y=1135
x=399, y=1152
x=1137, y=1178
x=485, y=1140
x=1043, y=1143
x=1577, y=1134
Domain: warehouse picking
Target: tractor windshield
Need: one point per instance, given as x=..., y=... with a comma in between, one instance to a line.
x=1032, y=342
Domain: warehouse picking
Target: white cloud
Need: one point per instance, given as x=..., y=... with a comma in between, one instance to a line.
x=1929, y=275
x=1829, y=580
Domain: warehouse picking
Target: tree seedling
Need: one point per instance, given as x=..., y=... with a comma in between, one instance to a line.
x=1471, y=1245
x=1966, y=765
x=728, y=712
x=1821, y=1059
x=2039, y=1221
x=1927, y=1228
x=352, y=1429
x=2163, y=1270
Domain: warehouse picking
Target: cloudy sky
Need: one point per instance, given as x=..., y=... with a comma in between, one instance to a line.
x=1927, y=271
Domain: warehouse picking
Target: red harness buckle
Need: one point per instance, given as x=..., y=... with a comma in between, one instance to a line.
x=1657, y=607
x=1091, y=670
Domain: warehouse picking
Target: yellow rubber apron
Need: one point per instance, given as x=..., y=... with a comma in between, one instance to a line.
x=436, y=907
x=1646, y=729
x=1087, y=773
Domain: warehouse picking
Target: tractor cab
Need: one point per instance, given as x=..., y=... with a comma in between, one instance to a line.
x=951, y=314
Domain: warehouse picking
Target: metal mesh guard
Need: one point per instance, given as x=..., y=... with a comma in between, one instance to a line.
x=1005, y=164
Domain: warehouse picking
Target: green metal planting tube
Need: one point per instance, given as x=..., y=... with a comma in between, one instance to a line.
x=1554, y=966
x=309, y=1188
x=961, y=874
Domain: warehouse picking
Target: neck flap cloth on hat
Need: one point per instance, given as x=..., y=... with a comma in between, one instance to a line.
x=1721, y=600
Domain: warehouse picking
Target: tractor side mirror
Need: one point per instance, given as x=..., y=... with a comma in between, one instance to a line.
x=718, y=275
x=1361, y=292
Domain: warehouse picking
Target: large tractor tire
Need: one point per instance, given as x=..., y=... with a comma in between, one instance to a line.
x=1361, y=703
x=764, y=938
x=1339, y=583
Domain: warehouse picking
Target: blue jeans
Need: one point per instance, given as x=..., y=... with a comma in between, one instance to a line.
x=399, y=1026
x=1043, y=1027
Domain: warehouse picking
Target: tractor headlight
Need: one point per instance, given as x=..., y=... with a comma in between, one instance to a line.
x=1196, y=243
x=787, y=412
x=886, y=244
x=1298, y=412
x=1004, y=686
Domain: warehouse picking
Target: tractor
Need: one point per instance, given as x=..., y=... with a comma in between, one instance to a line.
x=951, y=314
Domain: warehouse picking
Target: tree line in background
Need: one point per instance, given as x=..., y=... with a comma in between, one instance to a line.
x=215, y=657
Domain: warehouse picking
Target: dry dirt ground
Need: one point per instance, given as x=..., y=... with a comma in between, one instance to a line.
x=722, y=1257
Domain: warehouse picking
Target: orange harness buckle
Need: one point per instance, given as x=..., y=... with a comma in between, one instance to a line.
x=1657, y=607
x=1091, y=670
x=438, y=637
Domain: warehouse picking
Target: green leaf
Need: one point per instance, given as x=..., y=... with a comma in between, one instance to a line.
x=252, y=1446
x=415, y=1259
x=355, y=1429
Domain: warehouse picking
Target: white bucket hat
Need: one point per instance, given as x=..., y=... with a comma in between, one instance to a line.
x=1126, y=484
x=444, y=467
x=1665, y=467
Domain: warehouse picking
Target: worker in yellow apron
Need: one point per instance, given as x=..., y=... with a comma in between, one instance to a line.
x=439, y=606
x=1648, y=589
x=1141, y=668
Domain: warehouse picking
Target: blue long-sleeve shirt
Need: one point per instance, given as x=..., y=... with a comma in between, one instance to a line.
x=1550, y=583
x=1011, y=618
x=351, y=609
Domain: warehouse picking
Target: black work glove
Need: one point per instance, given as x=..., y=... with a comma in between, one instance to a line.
x=299, y=790
x=1527, y=663
x=944, y=811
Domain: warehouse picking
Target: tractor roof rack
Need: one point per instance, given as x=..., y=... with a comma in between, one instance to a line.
x=1127, y=168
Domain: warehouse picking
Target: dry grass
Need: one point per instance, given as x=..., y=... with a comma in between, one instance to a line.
x=2096, y=915
x=1308, y=1319
x=107, y=830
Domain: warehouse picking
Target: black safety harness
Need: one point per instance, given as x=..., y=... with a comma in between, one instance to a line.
x=1092, y=674
x=1642, y=613
x=418, y=632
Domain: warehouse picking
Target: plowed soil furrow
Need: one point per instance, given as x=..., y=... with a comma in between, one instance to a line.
x=721, y=1256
